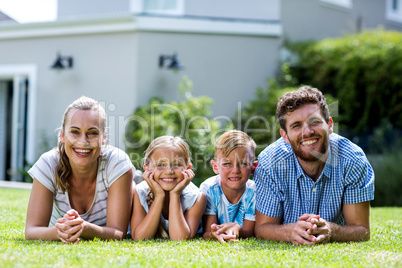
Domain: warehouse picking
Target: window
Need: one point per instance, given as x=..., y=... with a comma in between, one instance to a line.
x=394, y=10
x=342, y=3
x=172, y=7
x=395, y=5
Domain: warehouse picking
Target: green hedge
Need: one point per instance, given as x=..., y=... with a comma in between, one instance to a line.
x=388, y=178
x=364, y=72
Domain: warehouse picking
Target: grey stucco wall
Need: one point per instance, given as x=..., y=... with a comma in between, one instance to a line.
x=225, y=68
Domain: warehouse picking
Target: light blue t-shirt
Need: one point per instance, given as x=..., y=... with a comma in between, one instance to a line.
x=218, y=204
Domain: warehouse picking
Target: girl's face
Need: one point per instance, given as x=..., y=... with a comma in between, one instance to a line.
x=83, y=137
x=167, y=163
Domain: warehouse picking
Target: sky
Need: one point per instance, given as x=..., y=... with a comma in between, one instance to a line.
x=27, y=11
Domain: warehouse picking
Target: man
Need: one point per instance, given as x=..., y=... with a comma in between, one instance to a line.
x=313, y=186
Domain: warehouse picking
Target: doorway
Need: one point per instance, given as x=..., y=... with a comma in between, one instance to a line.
x=18, y=87
x=13, y=125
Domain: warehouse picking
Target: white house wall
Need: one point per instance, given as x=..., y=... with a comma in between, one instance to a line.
x=317, y=19
x=115, y=60
x=73, y=8
x=235, y=9
x=104, y=69
x=227, y=68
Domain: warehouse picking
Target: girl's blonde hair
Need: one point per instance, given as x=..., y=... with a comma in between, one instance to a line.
x=165, y=142
x=63, y=167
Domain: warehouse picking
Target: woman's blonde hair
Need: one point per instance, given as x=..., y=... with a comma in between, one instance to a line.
x=165, y=142
x=63, y=167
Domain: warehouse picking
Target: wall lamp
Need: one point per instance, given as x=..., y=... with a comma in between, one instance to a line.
x=62, y=62
x=170, y=61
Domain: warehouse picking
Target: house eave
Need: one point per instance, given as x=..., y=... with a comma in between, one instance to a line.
x=139, y=23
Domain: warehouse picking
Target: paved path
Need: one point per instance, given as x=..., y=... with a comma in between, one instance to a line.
x=15, y=185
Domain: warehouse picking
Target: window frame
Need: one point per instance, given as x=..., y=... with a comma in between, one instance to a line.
x=342, y=3
x=391, y=13
x=138, y=6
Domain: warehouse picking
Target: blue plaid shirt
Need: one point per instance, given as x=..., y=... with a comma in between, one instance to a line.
x=284, y=190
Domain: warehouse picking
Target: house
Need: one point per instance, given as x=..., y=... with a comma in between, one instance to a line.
x=119, y=51
x=318, y=19
x=5, y=17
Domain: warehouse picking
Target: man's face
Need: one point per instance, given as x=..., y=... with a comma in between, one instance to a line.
x=308, y=133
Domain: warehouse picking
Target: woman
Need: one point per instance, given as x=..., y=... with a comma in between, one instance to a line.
x=83, y=189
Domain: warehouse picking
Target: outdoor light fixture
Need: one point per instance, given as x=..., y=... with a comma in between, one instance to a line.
x=173, y=62
x=62, y=62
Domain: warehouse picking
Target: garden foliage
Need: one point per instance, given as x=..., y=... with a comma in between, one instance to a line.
x=388, y=178
x=258, y=117
x=190, y=118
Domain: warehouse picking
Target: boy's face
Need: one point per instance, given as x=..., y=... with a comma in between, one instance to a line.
x=235, y=169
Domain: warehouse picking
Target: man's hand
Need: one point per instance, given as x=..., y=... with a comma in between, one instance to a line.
x=321, y=229
x=311, y=229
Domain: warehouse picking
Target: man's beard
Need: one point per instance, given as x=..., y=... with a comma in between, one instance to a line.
x=311, y=155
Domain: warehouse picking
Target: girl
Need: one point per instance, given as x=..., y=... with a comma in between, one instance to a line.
x=83, y=189
x=167, y=204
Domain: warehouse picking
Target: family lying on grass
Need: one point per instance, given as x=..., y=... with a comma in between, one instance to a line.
x=311, y=186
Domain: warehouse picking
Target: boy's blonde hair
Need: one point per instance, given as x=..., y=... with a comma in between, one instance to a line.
x=231, y=140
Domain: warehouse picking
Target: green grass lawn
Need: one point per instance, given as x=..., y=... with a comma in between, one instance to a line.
x=384, y=248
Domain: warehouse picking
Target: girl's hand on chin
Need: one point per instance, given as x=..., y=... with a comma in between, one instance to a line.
x=188, y=176
x=156, y=188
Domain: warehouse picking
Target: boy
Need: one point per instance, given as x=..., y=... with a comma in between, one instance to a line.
x=230, y=211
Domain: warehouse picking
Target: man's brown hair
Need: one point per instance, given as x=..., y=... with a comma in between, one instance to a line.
x=292, y=101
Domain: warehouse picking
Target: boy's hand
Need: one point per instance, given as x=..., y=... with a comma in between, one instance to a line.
x=231, y=229
x=226, y=231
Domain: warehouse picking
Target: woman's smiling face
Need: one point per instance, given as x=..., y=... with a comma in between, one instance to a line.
x=83, y=137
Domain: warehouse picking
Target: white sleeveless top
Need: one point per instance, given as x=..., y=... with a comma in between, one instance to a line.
x=187, y=199
x=112, y=165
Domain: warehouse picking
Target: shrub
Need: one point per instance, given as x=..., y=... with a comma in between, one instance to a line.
x=258, y=118
x=189, y=119
x=388, y=183
x=362, y=71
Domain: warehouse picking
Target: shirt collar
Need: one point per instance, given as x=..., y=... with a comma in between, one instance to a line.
x=326, y=171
